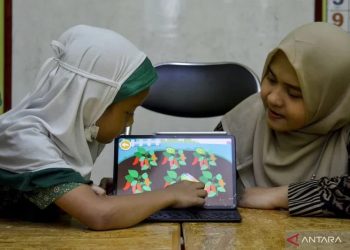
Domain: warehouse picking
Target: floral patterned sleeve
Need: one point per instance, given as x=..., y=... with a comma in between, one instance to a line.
x=46, y=196
x=323, y=197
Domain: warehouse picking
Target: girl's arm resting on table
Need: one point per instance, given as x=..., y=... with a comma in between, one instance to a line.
x=101, y=212
x=323, y=197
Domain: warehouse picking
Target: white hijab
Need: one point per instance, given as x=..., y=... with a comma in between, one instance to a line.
x=53, y=126
x=320, y=55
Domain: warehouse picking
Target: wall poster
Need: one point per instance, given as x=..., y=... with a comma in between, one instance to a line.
x=333, y=11
x=2, y=21
x=5, y=54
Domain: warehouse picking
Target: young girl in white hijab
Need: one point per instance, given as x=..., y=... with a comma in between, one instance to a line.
x=85, y=97
x=293, y=135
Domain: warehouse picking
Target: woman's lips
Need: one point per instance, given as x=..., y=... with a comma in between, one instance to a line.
x=273, y=115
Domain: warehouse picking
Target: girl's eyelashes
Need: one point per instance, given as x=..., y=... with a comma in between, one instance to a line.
x=130, y=113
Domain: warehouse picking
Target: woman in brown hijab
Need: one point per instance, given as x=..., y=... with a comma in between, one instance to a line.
x=292, y=137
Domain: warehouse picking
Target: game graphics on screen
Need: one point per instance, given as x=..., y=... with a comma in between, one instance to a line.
x=146, y=165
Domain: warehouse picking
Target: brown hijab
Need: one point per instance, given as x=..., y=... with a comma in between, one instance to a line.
x=320, y=55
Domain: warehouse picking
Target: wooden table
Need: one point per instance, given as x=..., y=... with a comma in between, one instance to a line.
x=259, y=229
x=69, y=234
x=267, y=229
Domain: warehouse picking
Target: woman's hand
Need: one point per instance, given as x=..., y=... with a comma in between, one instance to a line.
x=187, y=194
x=107, y=184
x=265, y=198
x=98, y=190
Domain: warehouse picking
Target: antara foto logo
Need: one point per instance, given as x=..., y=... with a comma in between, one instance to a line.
x=293, y=239
x=311, y=238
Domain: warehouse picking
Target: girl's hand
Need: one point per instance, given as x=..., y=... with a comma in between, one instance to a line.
x=101, y=212
x=265, y=198
x=187, y=194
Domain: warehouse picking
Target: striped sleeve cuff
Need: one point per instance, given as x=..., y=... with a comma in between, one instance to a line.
x=304, y=199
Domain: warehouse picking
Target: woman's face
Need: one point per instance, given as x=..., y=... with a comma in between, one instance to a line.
x=282, y=96
x=118, y=116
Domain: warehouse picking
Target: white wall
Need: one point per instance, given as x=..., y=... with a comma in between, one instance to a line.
x=166, y=30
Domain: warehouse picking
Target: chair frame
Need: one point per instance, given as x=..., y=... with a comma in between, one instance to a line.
x=204, y=64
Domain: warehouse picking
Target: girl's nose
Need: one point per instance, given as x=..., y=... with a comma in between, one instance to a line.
x=130, y=121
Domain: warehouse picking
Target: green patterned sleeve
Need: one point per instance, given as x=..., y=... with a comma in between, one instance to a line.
x=45, y=196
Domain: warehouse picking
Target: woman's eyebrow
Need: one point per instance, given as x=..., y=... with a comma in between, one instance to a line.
x=270, y=71
x=289, y=85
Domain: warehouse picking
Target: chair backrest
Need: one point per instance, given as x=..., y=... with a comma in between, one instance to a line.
x=200, y=90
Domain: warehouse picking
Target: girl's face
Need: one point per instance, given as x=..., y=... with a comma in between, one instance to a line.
x=118, y=116
x=282, y=96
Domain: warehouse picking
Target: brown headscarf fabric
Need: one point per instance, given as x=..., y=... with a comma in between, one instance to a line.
x=320, y=55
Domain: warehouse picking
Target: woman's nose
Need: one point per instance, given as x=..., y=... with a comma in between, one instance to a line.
x=275, y=97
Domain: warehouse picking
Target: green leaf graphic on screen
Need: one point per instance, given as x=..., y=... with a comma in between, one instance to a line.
x=213, y=184
x=171, y=178
x=146, y=159
x=204, y=159
x=137, y=182
x=175, y=158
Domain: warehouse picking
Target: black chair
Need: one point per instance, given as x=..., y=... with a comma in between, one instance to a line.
x=200, y=90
